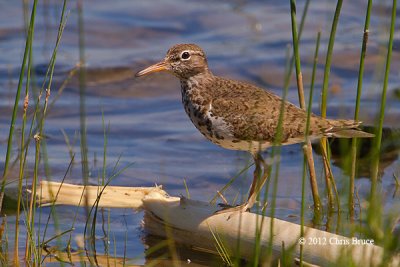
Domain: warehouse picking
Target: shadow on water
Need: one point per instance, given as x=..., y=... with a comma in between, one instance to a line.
x=340, y=151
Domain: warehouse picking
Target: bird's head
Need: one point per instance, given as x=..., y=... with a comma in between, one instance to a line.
x=182, y=60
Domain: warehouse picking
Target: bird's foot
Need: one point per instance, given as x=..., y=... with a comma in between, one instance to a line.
x=233, y=209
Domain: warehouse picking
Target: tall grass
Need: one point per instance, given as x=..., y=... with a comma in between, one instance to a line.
x=34, y=255
x=373, y=203
x=300, y=90
x=303, y=180
x=357, y=108
x=82, y=98
x=22, y=156
x=375, y=221
x=323, y=142
x=28, y=45
x=328, y=60
x=36, y=243
x=333, y=200
x=41, y=117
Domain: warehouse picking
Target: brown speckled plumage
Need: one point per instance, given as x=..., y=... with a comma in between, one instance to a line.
x=238, y=115
x=251, y=113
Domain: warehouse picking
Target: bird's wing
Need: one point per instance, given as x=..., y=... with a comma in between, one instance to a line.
x=254, y=113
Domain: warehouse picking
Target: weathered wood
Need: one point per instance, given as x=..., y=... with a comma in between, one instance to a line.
x=111, y=196
x=193, y=223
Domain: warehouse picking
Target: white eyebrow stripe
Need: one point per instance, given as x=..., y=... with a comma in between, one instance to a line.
x=193, y=52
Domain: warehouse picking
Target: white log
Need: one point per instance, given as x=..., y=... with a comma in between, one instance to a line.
x=79, y=195
x=193, y=222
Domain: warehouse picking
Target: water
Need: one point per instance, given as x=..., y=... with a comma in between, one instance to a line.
x=246, y=40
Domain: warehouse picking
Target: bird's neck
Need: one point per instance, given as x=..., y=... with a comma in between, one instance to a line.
x=196, y=82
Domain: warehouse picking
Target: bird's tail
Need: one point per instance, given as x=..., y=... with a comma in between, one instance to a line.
x=351, y=133
x=346, y=129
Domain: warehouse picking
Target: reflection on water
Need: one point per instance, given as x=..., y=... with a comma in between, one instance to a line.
x=156, y=257
x=389, y=154
x=243, y=39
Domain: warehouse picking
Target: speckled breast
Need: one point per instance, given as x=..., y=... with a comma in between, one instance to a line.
x=198, y=116
x=214, y=128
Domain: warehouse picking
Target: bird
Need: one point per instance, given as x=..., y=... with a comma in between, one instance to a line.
x=238, y=115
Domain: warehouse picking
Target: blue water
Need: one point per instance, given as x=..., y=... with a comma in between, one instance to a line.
x=246, y=40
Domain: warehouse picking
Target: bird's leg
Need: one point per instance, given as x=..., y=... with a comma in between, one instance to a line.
x=259, y=179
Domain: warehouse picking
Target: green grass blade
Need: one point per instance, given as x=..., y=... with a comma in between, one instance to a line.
x=329, y=58
x=375, y=208
x=290, y=71
x=357, y=108
x=299, y=79
x=28, y=44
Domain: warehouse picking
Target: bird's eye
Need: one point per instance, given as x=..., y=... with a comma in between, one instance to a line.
x=185, y=55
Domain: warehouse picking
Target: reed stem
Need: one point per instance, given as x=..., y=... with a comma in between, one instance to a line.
x=375, y=209
x=329, y=58
x=323, y=142
x=22, y=157
x=357, y=109
x=299, y=76
x=28, y=43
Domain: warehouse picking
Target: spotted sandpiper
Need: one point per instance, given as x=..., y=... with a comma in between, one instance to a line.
x=241, y=116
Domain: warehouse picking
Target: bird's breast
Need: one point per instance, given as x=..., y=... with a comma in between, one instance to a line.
x=199, y=108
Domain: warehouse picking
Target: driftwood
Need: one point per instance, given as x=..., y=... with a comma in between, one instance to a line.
x=196, y=224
